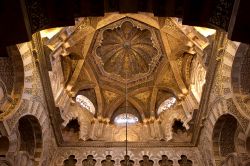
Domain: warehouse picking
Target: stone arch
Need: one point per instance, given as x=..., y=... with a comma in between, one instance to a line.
x=31, y=142
x=71, y=130
x=178, y=125
x=168, y=118
x=238, y=67
x=11, y=80
x=223, y=137
x=240, y=77
x=83, y=116
x=229, y=82
x=220, y=108
x=240, y=140
x=36, y=110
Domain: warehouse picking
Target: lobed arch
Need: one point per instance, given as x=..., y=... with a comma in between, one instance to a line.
x=135, y=155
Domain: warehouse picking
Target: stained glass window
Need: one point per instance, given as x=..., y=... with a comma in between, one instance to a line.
x=85, y=103
x=121, y=119
x=167, y=104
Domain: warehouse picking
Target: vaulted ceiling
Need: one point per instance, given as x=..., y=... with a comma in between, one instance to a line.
x=128, y=56
x=136, y=61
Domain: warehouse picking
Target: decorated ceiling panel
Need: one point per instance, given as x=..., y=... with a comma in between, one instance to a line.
x=127, y=51
x=129, y=63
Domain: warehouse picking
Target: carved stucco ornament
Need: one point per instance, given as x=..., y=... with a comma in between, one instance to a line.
x=127, y=50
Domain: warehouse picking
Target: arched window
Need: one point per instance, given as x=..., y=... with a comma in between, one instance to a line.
x=85, y=103
x=167, y=104
x=121, y=119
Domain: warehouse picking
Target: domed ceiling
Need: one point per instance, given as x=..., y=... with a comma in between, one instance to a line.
x=128, y=56
x=127, y=50
x=138, y=62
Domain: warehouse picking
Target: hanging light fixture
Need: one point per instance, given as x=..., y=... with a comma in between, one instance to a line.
x=126, y=111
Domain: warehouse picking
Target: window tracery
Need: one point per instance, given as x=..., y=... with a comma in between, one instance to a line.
x=122, y=119
x=167, y=104
x=85, y=103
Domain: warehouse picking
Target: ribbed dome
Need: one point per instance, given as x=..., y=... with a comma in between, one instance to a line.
x=126, y=49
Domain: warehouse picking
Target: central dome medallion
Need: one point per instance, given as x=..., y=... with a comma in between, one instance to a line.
x=127, y=50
